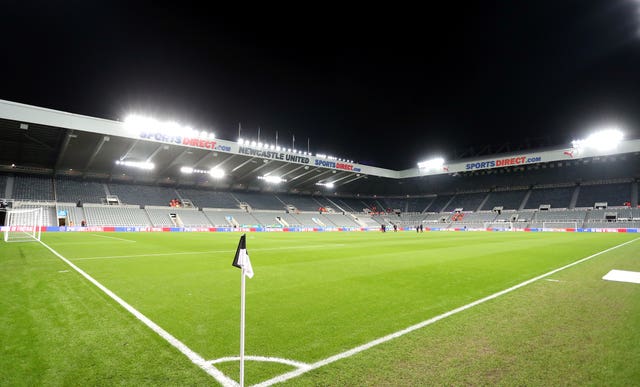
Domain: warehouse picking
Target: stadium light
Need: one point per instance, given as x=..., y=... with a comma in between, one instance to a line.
x=602, y=140
x=328, y=185
x=140, y=123
x=272, y=179
x=432, y=164
x=136, y=164
x=240, y=141
x=187, y=170
x=216, y=173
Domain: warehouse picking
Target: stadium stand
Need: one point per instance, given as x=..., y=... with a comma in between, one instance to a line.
x=243, y=219
x=466, y=201
x=142, y=194
x=351, y=204
x=99, y=215
x=557, y=197
x=209, y=199
x=290, y=221
x=218, y=218
x=615, y=194
x=419, y=204
x=75, y=214
x=564, y=218
x=366, y=221
x=33, y=187
x=308, y=219
x=394, y=204
x=184, y=217
x=71, y=190
x=268, y=218
x=439, y=203
x=259, y=201
x=300, y=202
x=509, y=200
x=340, y=220
x=3, y=186
x=327, y=203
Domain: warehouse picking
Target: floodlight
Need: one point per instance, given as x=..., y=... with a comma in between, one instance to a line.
x=328, y=185
x=603, y=140
x=186, y=170
x=278, y=148
x=240, y=141
x=432, y=164
x=216, y=173
x=272, y=179
x=136, y=164
x=253, y=143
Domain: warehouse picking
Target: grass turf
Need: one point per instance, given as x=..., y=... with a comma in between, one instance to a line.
x=314, y=295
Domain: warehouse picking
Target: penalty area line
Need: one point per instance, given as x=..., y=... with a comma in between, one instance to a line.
x=180, y=346
x=110, y=237
x=293, y=374
x=202, y=252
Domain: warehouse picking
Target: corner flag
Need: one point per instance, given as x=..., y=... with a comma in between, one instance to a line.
x=241, y=260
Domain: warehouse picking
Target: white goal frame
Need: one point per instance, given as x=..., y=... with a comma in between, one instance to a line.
x=23, y=224
x=560, y=224
x=507, y=226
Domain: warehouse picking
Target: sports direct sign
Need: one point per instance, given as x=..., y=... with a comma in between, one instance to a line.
x=503, y=162
x=195, y=142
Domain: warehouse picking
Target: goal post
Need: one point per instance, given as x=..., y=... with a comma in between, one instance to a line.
x=499, y=226
x=23, y=225
x=560, y=224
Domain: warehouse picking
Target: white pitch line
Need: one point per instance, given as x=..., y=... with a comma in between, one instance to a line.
x=292, y=363
x=110, y=237
x=180, y=346
x=364, y=347
x=202, y=252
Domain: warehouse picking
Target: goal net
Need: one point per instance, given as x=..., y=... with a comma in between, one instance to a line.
x=557, y=224
x=499, y=226
x=23, y=225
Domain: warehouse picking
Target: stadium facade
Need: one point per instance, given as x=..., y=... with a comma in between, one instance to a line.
x=88, y=169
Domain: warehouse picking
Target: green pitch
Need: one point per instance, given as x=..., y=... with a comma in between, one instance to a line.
x=316, y=295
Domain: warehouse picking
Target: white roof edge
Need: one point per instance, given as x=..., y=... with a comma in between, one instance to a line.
x=50, y=117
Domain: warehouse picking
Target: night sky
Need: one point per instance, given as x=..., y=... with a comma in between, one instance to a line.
x=383, y=86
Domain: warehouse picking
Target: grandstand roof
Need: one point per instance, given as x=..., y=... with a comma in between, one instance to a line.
x=42, y=140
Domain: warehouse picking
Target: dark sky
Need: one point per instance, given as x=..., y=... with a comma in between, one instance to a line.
x=379, y=84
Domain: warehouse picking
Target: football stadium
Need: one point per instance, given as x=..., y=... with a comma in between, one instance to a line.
x=121, y=237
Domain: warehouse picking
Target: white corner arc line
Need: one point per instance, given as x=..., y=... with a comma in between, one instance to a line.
x=180, y=346
x=292, y=363
x=384, y=339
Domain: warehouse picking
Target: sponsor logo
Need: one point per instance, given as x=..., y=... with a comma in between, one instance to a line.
x=505, y=162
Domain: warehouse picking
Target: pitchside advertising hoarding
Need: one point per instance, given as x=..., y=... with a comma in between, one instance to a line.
x=294, y=229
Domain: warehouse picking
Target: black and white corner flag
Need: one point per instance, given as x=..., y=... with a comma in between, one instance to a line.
x=241, y=259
